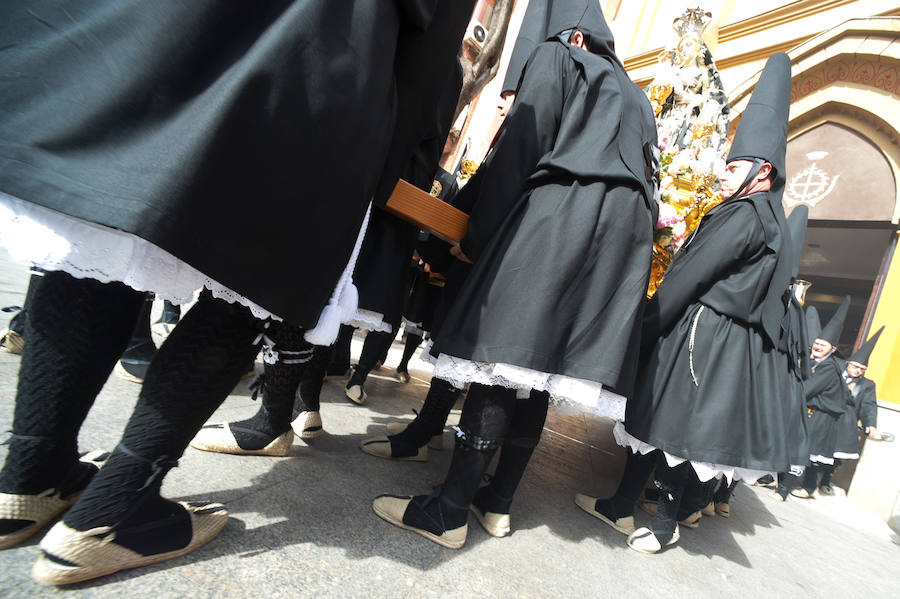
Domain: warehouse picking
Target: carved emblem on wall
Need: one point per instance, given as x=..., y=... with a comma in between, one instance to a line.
x=811, y=185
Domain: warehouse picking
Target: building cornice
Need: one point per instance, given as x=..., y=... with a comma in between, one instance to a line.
x=757, y=24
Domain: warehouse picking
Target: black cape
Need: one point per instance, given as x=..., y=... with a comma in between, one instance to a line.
x=561, y=225
x=827, y=397
x=863, y=409
x=710, y=384
x=244, y=138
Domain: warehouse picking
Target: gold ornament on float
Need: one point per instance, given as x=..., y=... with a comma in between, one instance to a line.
x=692, y=117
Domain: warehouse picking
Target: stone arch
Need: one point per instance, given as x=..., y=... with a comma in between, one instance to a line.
x=849, y=76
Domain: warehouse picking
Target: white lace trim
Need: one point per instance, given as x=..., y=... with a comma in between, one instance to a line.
x=705, y=471
x=459, y=372
x=840, y=455
x=368, y=320
x=821, y=459
x=38, y=236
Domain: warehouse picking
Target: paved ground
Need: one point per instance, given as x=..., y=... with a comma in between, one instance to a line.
x=303, y=525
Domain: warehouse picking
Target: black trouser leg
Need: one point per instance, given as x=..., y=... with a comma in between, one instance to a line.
x=76, y=330
x=523, y=436
x=671, y=482
x=192, y=373
x=412, y=343
x=483, y=427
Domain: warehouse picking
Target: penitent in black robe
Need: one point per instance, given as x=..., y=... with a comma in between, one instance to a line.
x=244, y=138
x=562, y=215
x=862, y=409
x=382, y=273
x=710, y=383
x=827, y=397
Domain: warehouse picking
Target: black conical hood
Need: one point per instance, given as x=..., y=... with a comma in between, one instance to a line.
x=762, y=132
x=864, y=352
x=545, y=19
x=797, y=227
x=813, y=324
x=832, y=331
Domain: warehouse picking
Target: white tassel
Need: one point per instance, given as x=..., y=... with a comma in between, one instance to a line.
x=326, y=330
x=343, y=301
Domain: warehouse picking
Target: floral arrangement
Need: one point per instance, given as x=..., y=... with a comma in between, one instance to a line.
x=692, y=118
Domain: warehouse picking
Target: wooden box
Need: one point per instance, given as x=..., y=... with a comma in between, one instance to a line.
x=427, y=212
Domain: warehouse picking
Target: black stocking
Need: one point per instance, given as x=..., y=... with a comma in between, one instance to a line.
x=307, y=399
x=412, y=343
x=524, y=435
x=671, y=482
x=75, y=331
x=283, y=367
x=429, y=421
x=484, y=424
x=191, y=375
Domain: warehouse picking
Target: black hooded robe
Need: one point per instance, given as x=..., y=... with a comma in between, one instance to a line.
x=864, y=409
x=560, y=229
x=710, y=382
x=242, y=138
x=827, y=397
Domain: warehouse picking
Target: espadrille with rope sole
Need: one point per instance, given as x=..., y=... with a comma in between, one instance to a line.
x=71, y=556
x=220, y=438
x=21, y=515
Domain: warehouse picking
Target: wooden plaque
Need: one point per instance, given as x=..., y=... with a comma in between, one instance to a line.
x=427, y=212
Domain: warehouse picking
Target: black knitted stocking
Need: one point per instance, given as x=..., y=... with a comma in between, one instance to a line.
x=76, y=330
x=307, y=399
x=283, y=368
x=191, y=375
x=524, y=434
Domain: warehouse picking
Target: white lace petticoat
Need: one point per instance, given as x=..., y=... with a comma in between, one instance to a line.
x=704, y=470
x=820, y=459
x=38, y=236
x=840, y=455
x=368, y=320
x=459, y=373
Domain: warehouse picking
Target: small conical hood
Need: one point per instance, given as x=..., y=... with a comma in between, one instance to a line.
x=813, y=324
x=762, y=132
x=864, y=352
x=832, y=331
x=797, y=227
